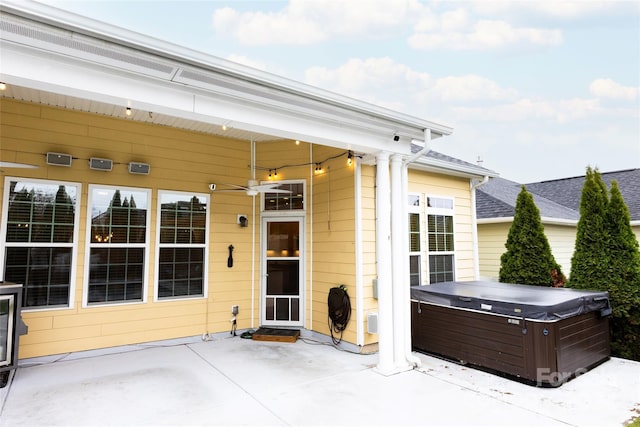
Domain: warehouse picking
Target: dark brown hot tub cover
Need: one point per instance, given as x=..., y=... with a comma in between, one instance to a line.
x=529, y=302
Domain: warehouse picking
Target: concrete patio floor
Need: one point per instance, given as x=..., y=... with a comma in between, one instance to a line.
x=233, y=381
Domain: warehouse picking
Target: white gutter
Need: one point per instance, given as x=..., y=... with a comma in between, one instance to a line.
x=357, y=178
x=474, y=228
x=544, y=220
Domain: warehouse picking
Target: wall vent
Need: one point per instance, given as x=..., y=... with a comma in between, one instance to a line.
x=139, y=168
x=59, y=159
x=100, y=164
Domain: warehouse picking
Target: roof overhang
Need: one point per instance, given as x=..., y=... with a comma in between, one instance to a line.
x=462, y=170
x=544, y=220
x=57, y=58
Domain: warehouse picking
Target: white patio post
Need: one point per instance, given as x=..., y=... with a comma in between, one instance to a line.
x=398, y=257
x=383, y=260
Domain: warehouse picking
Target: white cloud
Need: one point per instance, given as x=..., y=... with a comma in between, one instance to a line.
x=525, y=109
x=304, y=22
x=482, y=35
x=607, y=88
x=382, y=79
x=469, y=88
x=567, y=10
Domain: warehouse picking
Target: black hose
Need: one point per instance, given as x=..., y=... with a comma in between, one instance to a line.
x=339, y=312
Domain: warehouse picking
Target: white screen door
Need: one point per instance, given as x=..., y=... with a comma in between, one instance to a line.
x=282, y=267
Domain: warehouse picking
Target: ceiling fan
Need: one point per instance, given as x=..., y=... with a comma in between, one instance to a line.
x=253, y=187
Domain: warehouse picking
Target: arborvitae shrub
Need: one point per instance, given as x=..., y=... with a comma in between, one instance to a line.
x=528, y=259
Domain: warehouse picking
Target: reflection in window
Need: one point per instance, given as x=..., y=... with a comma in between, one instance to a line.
x=182, y=244
x=118, y=244
x=39, y=242
x=294, y=200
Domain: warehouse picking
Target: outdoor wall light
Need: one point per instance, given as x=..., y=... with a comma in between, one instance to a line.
x=3, y=86
x=128, y=111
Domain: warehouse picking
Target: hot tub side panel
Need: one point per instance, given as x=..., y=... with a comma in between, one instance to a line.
x=493, y=342
x=583, y=341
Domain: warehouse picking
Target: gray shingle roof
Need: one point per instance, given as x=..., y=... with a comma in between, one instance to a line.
x=567, y=191
x=497, y=199
x=559, y=198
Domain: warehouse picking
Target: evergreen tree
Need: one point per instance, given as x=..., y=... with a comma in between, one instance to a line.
x=528, y=259
x=623, y=279
x=590, y=263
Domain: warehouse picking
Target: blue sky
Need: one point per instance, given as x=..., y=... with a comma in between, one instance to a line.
x=536, y=89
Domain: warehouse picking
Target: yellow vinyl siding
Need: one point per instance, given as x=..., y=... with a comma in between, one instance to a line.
x=180, y=160
x=492, y=239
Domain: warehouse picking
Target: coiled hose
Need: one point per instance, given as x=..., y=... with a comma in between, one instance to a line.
x=339, y=312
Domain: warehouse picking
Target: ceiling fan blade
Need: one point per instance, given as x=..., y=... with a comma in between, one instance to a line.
x=268, y=187
x=238, y=187
x=275, y=190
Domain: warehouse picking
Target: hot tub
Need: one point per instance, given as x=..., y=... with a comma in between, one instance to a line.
x=542, y=336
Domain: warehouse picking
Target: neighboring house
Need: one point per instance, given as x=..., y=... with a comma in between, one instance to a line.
x=110, y=142
x=559, y=204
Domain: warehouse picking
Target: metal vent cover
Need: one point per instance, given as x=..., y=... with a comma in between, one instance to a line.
x=75, y=44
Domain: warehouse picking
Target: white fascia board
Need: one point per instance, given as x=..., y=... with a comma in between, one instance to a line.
x=434, y=165
x=165, y=51
x=544, y=220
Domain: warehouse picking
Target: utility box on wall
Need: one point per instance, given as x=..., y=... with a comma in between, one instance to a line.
x=11, y=327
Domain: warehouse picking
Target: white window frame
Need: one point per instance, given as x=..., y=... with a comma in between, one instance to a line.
x=205, y=283
x=89, y=246
x=74, y=245
x=413, y=209
x=444, y=212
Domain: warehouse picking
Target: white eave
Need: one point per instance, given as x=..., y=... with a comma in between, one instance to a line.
x=544, y=220
x=463, y=170
x=76, y=62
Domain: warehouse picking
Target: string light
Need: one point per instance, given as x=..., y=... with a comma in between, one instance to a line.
x=351, y=156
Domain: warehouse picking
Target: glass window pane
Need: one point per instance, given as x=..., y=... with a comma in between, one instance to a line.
x=285, y=201
x=116, y=274
x=45, y=273
x=183, y=222
x=283, y=239
x=118, y=215
x=283, y=277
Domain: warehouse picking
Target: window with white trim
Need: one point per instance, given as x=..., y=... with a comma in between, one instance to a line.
x=287, y=196
x=440, y=239
x=118, y=244
x=182, y=244
x=40, y=240
x=415, y=257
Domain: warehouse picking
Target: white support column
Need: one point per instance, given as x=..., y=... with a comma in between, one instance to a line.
x=399, y=254
x=383, y=259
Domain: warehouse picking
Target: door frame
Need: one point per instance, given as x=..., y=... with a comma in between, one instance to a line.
x=299, y=217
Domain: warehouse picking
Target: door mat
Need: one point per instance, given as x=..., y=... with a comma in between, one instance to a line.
x=274, y=334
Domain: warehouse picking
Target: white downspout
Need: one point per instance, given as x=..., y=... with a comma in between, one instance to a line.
x=406, y=296
x=474, y=229
x=383, y=260
x=357, y=180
